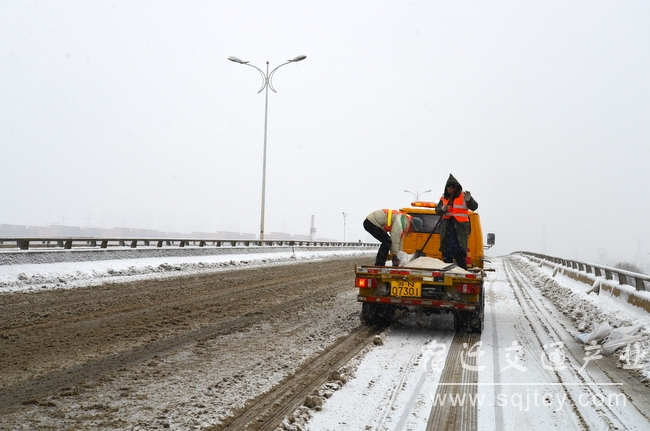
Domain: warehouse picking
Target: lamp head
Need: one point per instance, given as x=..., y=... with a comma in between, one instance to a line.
x=237, y=60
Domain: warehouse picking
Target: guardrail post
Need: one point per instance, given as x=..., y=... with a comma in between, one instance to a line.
x=640, y=284
x=608, y=274
x=134, y=243
x=23, y=244
x=68, y=245
x=622, y=278
x=104, y=244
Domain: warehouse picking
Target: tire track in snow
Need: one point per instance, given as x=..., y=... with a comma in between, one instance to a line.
x=406, y=370
x=543, y=321
x=458, y=381
x=498, y=410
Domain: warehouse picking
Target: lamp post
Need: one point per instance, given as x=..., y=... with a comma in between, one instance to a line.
x=344, y=215
x=417, y=194
x=266, y=84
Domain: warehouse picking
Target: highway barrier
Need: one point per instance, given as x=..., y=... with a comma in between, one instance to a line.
x=69, y=243
x=16, y=251
x=629, y=286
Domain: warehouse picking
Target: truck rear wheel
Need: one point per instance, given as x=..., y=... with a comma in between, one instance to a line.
x=377, y=313
x=470, y=321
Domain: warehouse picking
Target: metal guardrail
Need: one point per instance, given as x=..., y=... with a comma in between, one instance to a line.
x=58, y=243
x=640, y=281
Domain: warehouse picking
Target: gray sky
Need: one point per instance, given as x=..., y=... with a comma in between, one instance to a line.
x=128, y=113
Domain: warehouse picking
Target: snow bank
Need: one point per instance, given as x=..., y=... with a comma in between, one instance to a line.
x=604, y=320
x=65, y=275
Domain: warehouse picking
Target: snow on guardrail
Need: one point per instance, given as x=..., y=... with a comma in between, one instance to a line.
x=632, y=287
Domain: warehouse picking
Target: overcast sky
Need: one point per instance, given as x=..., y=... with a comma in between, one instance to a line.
x=128, y=113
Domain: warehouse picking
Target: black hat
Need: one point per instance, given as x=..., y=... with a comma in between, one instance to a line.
x=452, y=181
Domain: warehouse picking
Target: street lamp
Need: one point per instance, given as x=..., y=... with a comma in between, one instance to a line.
x=344, y=215
x=266, y=84
x=417, y=194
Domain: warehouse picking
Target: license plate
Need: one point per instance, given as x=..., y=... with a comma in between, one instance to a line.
x=406, y=288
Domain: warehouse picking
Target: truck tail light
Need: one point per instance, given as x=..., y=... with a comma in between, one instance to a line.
x=365, y=283
x=468, y=288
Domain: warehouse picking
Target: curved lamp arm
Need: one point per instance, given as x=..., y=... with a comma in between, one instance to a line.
x=266, y=77
x=270, y=77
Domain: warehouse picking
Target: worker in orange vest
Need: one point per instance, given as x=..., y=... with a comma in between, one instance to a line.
x=389, y=227
x=454, y=226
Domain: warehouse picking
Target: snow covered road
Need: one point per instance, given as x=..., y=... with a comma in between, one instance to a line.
x=189, y=370
x=530, y=371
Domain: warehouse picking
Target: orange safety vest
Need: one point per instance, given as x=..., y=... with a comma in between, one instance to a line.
x=458, y=209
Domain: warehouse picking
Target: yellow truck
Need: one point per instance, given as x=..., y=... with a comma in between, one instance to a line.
x=426, y=283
